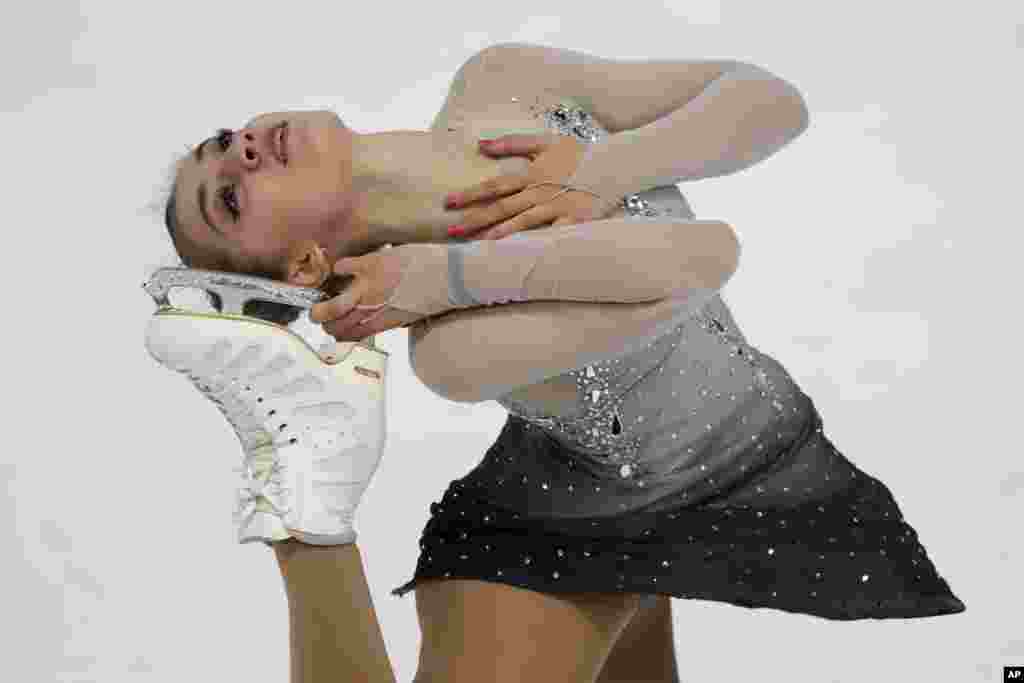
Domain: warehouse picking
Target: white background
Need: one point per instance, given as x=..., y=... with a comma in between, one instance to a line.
x=881, y=258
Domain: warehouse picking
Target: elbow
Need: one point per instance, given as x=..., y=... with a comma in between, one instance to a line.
x=510, y=47
x=451, y=391
x=456, y=391
x=712, y=258
x=496, y=55
x=725, y=259
x=488, y=57
x=803, y=115
x=457, y=396
x=440, y=373
x=466, y=397
x=498, y=48
x=443, y=384
x=732, y=254
x=786, y=93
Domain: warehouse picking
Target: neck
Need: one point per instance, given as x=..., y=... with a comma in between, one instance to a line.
x=401, y=178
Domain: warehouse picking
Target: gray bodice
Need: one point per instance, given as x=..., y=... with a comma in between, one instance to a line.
x=670, y=411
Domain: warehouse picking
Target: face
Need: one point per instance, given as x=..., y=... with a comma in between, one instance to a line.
x=283, y=179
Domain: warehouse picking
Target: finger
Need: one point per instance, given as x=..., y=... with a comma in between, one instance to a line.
x=486, y=216
x=350, y=265
x=371, y=312
x=491, y=188
x=336, y=307
x=515, y=144
x=347, y=327
x=537, y=216
x=381, y=321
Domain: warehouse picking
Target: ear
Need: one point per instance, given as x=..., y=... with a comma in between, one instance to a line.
x=307, y=265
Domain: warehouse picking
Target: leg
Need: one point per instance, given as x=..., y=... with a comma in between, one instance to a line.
x=481, y=631
x=335, y=635
x=645, y=652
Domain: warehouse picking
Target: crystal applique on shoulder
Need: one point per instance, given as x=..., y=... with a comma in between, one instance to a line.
x=569, y=119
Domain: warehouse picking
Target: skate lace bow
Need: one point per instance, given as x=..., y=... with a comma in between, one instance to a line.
x=261, y=471
x=260, y=487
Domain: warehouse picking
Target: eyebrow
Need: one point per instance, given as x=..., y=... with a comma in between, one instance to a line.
x=201, y=190
x=201, y=200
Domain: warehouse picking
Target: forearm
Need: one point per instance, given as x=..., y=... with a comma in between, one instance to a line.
x=584, y=298
x=481, y=354
x=741, y=118
x=335, y=635
x=622, y=260
x=671, y=120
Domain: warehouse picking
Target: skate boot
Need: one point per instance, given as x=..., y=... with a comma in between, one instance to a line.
x=311, y=422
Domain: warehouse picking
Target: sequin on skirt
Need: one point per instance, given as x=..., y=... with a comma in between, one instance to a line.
x=808, y=533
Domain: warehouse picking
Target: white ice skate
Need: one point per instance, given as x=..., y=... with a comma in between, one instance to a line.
x=311, y=423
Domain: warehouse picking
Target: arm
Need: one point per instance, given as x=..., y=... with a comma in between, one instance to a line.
x=334, y=630
x=613, y=260
x=671, y=120
x=457, y=95
x=481, y=354
x=634, y=279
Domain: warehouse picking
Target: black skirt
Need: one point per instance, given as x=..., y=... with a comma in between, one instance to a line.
x=846, y=556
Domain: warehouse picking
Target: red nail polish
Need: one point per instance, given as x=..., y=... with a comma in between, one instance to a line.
x=455, y=230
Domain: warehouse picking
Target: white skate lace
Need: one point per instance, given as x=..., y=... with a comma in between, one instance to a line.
x=262, y=469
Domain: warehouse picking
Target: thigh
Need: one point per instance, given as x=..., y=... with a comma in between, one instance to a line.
x=645, y=652
x=482, y=631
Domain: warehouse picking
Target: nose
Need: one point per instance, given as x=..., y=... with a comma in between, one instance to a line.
x=248, y=150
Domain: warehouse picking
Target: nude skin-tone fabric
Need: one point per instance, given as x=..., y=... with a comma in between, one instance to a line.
x=663, y=453
x=670, y=121
x=683, y=264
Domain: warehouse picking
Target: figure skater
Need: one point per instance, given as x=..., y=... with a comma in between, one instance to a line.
x=650, y=451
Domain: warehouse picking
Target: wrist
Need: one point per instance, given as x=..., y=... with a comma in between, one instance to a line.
x=489, y=272
x=423, y=284
x=600, y=171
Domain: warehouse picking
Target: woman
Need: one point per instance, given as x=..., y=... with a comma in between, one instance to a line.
x=650, y=451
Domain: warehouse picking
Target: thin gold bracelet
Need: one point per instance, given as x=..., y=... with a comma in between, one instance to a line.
x=567, y=189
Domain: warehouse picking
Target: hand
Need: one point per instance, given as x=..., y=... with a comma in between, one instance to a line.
x=348, y=316
x=553, y=158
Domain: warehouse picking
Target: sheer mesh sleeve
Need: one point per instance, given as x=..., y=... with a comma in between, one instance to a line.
x=670, y=121
x=481, y=354
x=592, y=291
x=615, y=260
x=576, y=294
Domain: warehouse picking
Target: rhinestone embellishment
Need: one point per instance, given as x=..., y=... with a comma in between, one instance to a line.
x=577, y=122
x=744, y=352
x=600, y=428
